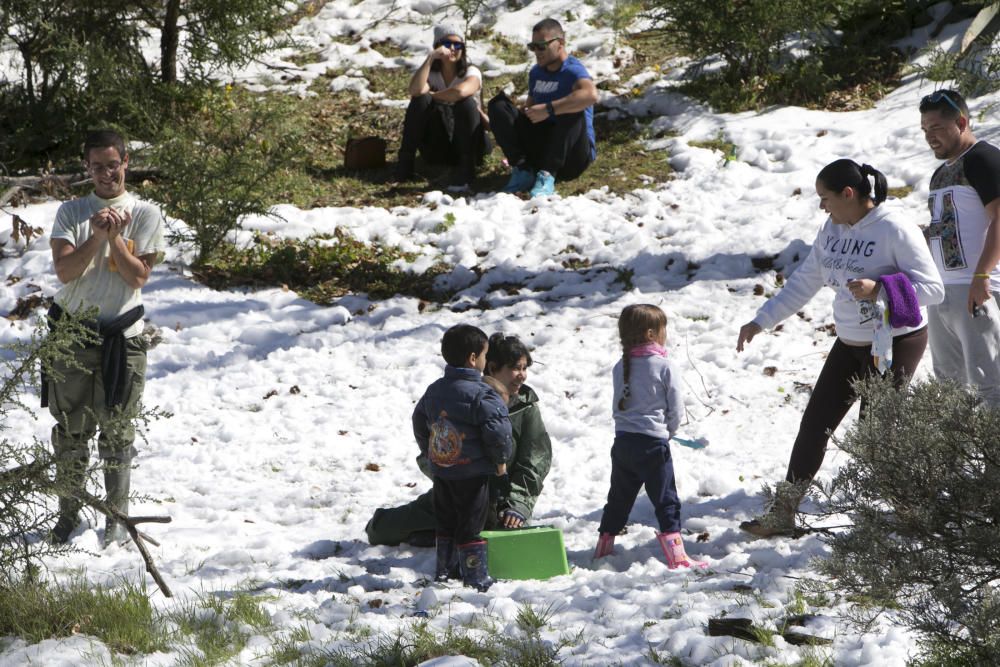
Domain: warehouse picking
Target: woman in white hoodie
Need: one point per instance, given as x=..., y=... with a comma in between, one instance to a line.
x=874, y=258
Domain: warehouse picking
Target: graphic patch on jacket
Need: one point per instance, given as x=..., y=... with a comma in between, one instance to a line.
x=445, y=446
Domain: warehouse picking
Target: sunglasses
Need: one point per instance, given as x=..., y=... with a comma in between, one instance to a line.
x=939, y=95
x=541, y=46
x=454, y=46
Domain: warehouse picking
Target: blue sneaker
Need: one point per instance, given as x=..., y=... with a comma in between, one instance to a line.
x=521, y=180
x=545, y=184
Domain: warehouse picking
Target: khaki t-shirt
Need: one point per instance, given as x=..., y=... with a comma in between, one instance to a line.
x=100, y=285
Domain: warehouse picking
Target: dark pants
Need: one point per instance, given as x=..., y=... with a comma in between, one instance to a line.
x=833, y=396
x=559, y=145
x=444, y=133
x=638, y=459
x=460, y=507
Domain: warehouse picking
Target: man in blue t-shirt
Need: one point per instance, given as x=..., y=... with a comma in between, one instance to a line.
x=552, y=135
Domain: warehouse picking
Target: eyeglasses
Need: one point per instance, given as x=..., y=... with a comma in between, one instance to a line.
x=112, y=168
x=454, y=46
x=541, y=46
x=939, y=95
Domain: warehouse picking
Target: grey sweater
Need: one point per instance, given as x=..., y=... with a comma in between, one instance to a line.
x=654, y=406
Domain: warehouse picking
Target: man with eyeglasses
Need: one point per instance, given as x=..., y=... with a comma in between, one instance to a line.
x=552, y=135
x=964, y=238
x=104, y=246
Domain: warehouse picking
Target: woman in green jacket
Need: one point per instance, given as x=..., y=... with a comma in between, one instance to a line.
x=513, y=496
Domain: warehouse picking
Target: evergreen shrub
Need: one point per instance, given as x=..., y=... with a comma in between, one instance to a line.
x=922, y=488
x=229, y=158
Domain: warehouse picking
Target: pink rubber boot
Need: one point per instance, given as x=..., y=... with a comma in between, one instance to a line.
x=673, y=551
x=605, y=543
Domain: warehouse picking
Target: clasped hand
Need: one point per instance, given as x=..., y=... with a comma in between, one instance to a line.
x=108, y=223
x=536, y=113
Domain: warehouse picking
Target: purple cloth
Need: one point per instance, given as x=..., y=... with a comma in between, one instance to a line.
x=647, y=350
x=904, y=311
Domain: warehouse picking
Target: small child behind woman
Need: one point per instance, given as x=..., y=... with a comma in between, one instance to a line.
x=647, y=411
x=462, y=426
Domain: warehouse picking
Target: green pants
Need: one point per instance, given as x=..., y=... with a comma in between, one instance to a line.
x=393, y=525
x=76, y=400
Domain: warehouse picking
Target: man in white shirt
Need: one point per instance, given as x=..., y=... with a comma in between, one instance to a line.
x=964, y=240
x=104, y=247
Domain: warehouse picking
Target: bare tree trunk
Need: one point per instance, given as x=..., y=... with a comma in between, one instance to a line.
x=169, y=41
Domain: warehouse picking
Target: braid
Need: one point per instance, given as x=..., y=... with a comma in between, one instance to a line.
x=626, y=393
x=633, y=324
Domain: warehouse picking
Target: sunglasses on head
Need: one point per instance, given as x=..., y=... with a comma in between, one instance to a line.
x=541, y=46
x=454, y=46
x=939, y=95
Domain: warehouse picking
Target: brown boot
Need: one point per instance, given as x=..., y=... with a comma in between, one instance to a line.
x=779, y=519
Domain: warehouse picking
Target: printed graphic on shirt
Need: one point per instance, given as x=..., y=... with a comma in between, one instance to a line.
x=944, y=227
x=543, y=87
x=845, y=254
x=867, y=313
x=445, y=446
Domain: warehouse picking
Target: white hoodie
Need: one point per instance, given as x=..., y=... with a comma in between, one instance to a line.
x=883, y=242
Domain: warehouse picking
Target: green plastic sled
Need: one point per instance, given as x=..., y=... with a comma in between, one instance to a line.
x=526, y=553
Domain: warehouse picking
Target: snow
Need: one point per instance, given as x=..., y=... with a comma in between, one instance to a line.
x=266, y=489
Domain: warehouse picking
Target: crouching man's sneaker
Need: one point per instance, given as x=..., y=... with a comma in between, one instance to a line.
x=521, y=180
x=545, y=184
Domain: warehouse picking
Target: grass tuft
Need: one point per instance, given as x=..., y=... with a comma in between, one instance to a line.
x=121, y=616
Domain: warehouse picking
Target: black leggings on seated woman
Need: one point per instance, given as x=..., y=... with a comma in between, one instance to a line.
x=833, y=395
x=443, y=133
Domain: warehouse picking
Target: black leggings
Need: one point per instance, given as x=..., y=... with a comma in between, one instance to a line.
x=559, y=146
x=444, y=133
x=833, y=396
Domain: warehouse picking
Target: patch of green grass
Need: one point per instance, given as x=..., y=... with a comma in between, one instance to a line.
x=836, y=78
x=901, y=192
x=531, y=620
x=623, y=163
x=509, y=51
x=219, y=626
x=121, y=616
x=651, y=50
x=321, y=268
x=388, y=49
x=719, y=143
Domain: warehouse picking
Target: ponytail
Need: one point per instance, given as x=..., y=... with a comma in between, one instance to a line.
x=626, y=392
x=845, y=173
x=881, y=185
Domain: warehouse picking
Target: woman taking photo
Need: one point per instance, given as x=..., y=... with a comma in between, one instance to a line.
x=870, y=254
x=443, y=120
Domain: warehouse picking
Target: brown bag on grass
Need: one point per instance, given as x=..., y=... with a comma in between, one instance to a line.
x=364, y=153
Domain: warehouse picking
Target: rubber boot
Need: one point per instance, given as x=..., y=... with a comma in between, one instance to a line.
x=472, y=560
x=673, y=552
x=71, y=466
x=779, y=519
x=605, y=545
x=447, y=560
x=117, y=482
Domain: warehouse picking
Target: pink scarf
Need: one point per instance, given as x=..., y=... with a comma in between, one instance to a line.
x=647, y=350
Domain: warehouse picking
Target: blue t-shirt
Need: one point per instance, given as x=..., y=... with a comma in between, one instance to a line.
x=548, y=86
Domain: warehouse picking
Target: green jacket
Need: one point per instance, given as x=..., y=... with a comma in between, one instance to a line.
x=529, y=461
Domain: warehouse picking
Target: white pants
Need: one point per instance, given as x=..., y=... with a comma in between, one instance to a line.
x=966, y=348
